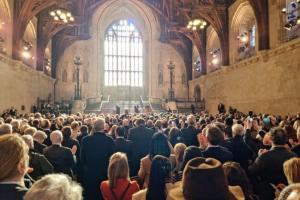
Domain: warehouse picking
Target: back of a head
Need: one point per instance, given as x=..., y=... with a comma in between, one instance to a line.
x=190, y=153
x=28, y=140
x=237, y=176
x=125, y=122
x=120, y=131
x=203, y=178
x=140, y=122
x=117, y=169
x=84, y=129
x=40, y=135
x=159, y=146
x=66, y=131
x=30, y=131
x=291, y=192
x=13, y=150
x=56, y=137
x=179, y=149
x=159, y=172
x=237, y=130
x=191, y=120
x=99, y=125
x=54, y=186
x=291, y=170
x=15, y=125
x=214, y=136
x=5, y=129
x=278, y=136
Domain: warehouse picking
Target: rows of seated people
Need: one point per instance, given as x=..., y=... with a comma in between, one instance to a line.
x=154, y=156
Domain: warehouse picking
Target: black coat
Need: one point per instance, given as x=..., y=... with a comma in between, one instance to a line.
x=12, y=192
x=124, y=146
x=268, y=168
x=96, y=150
x=39, y=148
x=141, y=139
x=241, y=152
x=61, y=158
x=189, y=136
x=218, y=152
x=41, y=166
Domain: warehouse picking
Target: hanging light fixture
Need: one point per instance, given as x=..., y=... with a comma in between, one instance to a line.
x=196, y=24
x=62, y=15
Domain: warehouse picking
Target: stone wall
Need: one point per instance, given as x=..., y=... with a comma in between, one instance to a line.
x=22, y=85
x=156, y=54
x=267, y=83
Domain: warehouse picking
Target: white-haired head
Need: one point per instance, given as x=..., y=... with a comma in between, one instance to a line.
x=54, y=186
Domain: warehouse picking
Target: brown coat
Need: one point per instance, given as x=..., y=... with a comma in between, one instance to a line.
x=145, y=168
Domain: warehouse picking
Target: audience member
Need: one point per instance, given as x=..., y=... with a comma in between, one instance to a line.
x=38, y=139
x=37, y=162
x=189, y=134
x=159, y=146
x=204, y=179
x=54, y=186
x=214, y=150
x=13, y=167
x=122, y=144
x=95, y=153
x=60, y=157
x=141, y=138
x=118, y=185
x=5, y=129
x=159, y=181
x=268, y=166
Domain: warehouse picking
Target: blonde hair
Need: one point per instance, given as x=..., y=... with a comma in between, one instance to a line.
x=30, y=131
x=13, y=150
x=291, y=170
x=54, y=186
x=179, y=151
x=117, y=169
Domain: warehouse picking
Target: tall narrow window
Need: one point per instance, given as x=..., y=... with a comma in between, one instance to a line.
x=123, y=55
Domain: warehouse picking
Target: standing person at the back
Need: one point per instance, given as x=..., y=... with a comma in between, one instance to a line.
x=95, y=153
x=141, y=138
x=189, y=134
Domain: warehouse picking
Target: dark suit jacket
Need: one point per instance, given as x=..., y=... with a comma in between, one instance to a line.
x=218, y=152
x=269, y=166
x=39, y=148
x=296, y=149
x=96, y=150
x=189, y=136
x=241, y=152
x=12, y=192
x=141, y=139
x=123, y=145
x=41, y=166
x=61, y=158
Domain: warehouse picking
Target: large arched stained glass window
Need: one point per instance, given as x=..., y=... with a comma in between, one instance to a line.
x=123, y=55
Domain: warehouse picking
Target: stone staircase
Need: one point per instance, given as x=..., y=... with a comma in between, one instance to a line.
x=110, y=106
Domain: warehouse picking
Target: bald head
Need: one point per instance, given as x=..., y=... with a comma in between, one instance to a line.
x=99, y=125
x=125, y=122
x=56, y=137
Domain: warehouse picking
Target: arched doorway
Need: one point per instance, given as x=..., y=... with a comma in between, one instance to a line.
x=197, y=93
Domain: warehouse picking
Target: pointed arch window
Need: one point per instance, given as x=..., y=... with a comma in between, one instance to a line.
x=123, y=55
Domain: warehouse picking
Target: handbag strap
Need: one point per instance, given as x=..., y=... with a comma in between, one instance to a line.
x=123, y=194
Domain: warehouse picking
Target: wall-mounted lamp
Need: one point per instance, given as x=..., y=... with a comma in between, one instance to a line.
x=27, y=46
x=215, y=53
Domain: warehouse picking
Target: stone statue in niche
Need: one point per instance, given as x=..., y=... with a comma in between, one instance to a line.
x=64, y=76
x=183, y=79
x=160, y=75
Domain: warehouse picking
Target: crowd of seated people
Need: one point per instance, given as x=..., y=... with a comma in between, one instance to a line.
x=150, y=156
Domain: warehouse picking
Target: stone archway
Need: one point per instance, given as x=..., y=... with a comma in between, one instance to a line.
x=243, y=33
